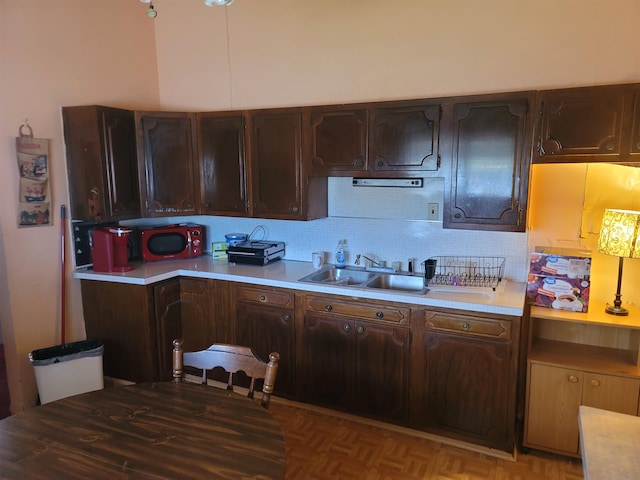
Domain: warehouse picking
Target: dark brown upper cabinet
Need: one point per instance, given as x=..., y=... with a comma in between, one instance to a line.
x=406, y=138
x=223, y=173
x=280, y=186
x=102, y=163
x=339, y=141
x=375, y=140
x=588, y=124
x=634, y=141
x=168, y=163
x=490, y=149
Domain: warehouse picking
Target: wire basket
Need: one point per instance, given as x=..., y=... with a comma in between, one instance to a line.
x=468, y=271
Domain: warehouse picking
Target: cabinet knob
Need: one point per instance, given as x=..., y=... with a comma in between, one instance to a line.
x=189, y=205
x=360, y=329
x=465, y=326
x=360, y=162
x=328, y=308
x=595, y=383
x=286, y=318
x=207, y=205
x=457, y=215
x=295, y=209
x=573, y=379
x=380, y=163
x=346, y=327
x=379, y=314
x=610, y=146
x=262, y=298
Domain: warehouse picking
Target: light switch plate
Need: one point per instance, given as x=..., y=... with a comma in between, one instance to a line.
x=432, y=213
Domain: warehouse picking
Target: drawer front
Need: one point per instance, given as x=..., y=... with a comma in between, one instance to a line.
x=355, y=308
x=498, y=329
x=265, y=296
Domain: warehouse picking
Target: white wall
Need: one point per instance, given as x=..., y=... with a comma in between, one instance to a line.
x=55, y=53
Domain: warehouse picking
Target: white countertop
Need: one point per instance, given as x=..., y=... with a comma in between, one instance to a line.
x=508, y=299
x=609, y=444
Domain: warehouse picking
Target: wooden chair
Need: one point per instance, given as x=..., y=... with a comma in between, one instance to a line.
x=232, y=358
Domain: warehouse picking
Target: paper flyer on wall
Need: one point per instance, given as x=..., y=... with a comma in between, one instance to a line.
x=35, y=200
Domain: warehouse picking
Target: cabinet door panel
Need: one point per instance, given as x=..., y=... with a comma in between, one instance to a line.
x=617, y=394
x=634, y=147
x=168, y=148
x=382, y=370
x=467, y=388
x=102, y=163
x=489, y=170
x=277, y=163
x=181, y=306
x=222, y=164
x=581, y=124
x=121, y=317
x=339, y=141
x=406, y=138
x=266, y=330
x=327, y=350
x=121, y=164
x=552, y=415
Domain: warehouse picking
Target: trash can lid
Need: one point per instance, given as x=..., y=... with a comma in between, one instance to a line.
x=65, y=352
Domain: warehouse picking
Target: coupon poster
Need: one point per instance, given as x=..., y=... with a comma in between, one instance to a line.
x=35, y=200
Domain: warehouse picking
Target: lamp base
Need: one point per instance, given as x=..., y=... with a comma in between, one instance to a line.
x=616, y=310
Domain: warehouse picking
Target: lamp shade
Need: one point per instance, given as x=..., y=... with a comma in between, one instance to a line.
x=619, y=233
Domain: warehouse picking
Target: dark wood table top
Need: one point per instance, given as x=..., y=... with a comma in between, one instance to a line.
x=146, y=431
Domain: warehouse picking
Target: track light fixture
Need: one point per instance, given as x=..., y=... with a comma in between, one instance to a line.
x=152, y=13
x=220, y=3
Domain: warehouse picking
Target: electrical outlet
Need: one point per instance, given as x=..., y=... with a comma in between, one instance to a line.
x=432, y=213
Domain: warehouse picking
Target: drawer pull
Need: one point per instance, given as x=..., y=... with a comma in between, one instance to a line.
x=286, y=318
x=573, y=379
x=360, y=329
x=262, y=298
x=346, y=327
x=328, y=308
x=379, y=314
x=595, y=383
x=465, y=326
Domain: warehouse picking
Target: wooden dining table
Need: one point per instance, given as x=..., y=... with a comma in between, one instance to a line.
x=159, y=430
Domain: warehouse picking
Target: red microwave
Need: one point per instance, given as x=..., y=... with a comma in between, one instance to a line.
x=184, y=240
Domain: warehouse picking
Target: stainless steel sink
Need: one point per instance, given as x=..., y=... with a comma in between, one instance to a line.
x=360, y=278
x=400, y=283
x=339, y=276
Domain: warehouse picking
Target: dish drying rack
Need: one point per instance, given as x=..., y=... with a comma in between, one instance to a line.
x=480, y=272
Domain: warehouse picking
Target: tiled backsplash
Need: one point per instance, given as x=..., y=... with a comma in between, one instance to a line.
x=391, y=238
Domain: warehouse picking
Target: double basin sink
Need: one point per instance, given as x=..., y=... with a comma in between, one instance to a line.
x=357, y=277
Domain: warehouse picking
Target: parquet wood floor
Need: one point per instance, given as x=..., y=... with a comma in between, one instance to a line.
x=321, y=445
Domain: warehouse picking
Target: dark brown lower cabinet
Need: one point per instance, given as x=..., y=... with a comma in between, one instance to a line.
x=182, y=311
x=137, y=324
x=265, y=322
x=121, y=316
x=469, y=390
x=354, y=356
x=347, y=353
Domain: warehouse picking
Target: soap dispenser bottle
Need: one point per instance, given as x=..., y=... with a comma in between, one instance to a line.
x=341, y=254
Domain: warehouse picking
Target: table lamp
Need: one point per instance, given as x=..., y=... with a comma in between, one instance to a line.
x=619, y=237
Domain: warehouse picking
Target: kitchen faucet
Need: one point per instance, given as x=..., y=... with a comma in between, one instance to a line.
x=373, y=262
x=375, y=266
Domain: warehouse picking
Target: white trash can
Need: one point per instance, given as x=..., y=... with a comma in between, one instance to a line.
x=68, y=369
